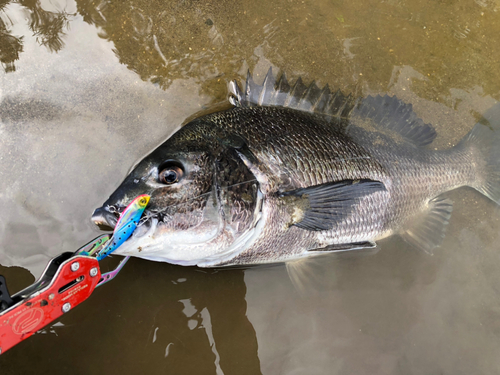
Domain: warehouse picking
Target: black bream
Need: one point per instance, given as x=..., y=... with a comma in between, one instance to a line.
x=296, y=171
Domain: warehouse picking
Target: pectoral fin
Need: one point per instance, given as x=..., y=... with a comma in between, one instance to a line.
x=320, y=207
x=428, y=230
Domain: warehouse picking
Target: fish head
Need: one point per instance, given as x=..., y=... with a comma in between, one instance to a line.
x=192, y=215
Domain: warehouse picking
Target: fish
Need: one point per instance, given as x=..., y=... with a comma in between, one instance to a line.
x=292, y=171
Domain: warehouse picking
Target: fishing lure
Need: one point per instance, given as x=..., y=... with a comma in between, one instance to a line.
x=126, y=225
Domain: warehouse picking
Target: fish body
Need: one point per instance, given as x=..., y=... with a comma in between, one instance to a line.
x=291, y=172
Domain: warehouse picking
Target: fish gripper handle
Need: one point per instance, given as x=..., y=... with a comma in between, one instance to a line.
x=5, y=299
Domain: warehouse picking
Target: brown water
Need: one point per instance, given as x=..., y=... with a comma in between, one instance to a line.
x=90, y=87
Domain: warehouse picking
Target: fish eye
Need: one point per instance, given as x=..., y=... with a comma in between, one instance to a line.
x=170, y=174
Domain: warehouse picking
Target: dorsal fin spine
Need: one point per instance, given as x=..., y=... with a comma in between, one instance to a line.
x=274, y=92
x=281, y=92
x=298, y=90
x=267, y=87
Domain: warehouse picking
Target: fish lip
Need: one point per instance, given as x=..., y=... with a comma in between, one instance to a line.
x=105, y=217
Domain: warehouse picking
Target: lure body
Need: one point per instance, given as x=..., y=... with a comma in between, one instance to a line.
x=127, y=223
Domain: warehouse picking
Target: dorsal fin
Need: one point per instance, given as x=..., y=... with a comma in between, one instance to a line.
x=388, y=112
x=297, y=96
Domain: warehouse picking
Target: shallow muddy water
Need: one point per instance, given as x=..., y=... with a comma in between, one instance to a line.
x=90, y=87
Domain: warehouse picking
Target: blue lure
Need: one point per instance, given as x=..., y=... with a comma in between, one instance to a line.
x=126, y=225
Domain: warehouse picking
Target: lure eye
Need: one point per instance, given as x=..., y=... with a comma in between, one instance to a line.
x=170, y=175
x=143, y=201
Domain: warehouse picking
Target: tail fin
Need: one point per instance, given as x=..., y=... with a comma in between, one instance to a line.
x=485, y=143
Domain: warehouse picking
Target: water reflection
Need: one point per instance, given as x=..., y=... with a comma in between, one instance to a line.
x=163, y=41
x=10, y=46
x=189, y=321
x=48, y=28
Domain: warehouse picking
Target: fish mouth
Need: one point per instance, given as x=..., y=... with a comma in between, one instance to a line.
x=105, y=218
